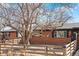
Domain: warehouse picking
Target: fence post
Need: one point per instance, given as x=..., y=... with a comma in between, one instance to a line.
x=75, y=45
x=71, y=48
x=25, y=50
x=0, y=49
x=46, y=50
x=12, y=49
x=64, y=51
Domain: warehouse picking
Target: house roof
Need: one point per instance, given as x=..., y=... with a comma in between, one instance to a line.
x=69, y=26
x=65, y=26
x=7, y=29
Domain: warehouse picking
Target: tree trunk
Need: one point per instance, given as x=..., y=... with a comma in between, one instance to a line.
x=25, y=38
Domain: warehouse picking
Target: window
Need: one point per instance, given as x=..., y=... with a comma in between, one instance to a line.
x=60, y=34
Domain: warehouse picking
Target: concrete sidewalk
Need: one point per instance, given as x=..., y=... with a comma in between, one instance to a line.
x=77, y=53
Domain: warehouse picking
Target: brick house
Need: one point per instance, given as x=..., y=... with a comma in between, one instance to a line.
x=9, y=32
x=67, y=31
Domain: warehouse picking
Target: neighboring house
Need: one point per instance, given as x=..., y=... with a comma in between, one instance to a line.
x=8, y=32
x=68, y=30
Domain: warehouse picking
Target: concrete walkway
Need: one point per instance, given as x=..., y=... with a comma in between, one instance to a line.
x=77, y=53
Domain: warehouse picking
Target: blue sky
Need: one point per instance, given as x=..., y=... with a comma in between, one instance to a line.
x=74, y=11
x=51, y=6
x=76, y=14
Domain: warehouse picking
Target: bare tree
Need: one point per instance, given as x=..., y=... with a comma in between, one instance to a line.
x=20, y=17
x=54, y=19
x=23, y=16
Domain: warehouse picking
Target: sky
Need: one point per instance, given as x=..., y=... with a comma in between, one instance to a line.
x=74, y=11
x=76, y=14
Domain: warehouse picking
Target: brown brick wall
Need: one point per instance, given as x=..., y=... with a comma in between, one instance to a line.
x=13, y=35
x=47, y=33
x=48, y=40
